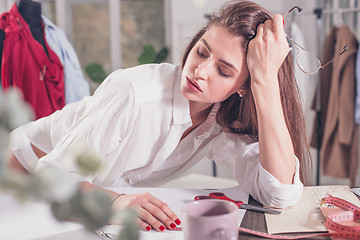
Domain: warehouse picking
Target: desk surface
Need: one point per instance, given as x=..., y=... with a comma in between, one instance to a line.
x=252, y=220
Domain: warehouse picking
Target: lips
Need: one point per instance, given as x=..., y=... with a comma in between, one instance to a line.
x=192, y=85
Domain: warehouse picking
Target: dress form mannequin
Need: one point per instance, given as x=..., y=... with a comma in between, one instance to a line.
x=31, y=12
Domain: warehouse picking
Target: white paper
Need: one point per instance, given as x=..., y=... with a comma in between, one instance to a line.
x=29, y=220
x=305, y=216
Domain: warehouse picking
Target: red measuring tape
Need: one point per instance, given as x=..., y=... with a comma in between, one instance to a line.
x=333, y=223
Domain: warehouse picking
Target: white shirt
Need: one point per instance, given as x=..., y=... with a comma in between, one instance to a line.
x=135, y=120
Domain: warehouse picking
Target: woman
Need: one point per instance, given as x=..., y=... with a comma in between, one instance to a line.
x=234, y=100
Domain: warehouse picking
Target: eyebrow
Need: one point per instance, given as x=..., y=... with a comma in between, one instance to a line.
x=221, y=60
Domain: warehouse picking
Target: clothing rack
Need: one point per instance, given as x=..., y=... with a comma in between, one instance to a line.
x=319, y=12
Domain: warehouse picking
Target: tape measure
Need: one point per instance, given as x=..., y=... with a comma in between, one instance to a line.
x=333, y=223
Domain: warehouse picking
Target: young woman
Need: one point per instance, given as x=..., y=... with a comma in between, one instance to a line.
x=234, y=100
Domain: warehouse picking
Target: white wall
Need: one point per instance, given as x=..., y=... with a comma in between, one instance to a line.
x=5, y=5
x=186, y=17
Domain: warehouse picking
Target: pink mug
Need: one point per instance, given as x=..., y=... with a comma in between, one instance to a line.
x=210, y=219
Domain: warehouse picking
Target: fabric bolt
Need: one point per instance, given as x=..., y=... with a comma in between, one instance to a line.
x=76, y=86
x=25, y=65
x=325, y=83
x=138, y=106
x=340, y=139
x=357, y=98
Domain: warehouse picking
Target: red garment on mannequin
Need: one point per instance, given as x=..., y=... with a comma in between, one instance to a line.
x=26, y=66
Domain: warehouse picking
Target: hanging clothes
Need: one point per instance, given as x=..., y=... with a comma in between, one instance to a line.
x=325, y=82
x=340, y=139
x=25, y=65
x=76, y=86
x=357, y=99
x=2, y=38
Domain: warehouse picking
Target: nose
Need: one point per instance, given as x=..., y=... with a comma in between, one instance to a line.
x=202, y=71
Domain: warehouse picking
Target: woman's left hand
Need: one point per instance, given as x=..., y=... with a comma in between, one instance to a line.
x=268, y=50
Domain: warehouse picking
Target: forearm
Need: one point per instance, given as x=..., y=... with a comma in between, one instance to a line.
x=87, y=187
x=84, y=185
x=276, y=150
x=15, y=164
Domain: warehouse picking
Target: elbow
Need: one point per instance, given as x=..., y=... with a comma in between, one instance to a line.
x=282, y=197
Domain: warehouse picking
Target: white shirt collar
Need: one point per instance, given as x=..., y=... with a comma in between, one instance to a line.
x=181, y=106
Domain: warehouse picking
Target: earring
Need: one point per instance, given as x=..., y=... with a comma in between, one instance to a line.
x=241, y=92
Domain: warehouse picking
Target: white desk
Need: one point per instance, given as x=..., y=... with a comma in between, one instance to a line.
x=34, y=220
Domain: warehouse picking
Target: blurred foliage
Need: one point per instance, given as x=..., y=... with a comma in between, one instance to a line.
x=150, y=55
x=96, y=72
x=92, y=209
x=127, y=219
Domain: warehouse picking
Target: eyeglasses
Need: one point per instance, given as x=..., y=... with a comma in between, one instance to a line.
x=306, y=61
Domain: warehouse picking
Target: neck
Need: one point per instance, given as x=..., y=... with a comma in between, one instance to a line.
x=31, y=12
x=199, y=112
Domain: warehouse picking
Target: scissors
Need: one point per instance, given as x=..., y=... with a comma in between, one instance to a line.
x=241, y=204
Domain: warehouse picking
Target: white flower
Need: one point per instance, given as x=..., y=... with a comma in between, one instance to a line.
x=4, y=142
x=13, y=113
x=57, y=185
x=13, y=110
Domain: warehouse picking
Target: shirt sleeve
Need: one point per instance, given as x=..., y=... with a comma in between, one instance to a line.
x=99, y=121
x=241, y=156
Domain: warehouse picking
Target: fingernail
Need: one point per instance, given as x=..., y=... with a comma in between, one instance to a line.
x=283, y=22
x=177, y=221
x=162, y=228
x=148, y=228
x=172, y=225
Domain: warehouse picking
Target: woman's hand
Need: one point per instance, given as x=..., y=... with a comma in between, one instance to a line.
x=152, y=213
x=267, y=51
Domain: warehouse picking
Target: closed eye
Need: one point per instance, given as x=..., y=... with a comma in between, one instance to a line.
x=221, y=72
x=201, y=54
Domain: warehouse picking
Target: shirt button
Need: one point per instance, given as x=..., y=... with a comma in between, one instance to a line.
x=127, y=180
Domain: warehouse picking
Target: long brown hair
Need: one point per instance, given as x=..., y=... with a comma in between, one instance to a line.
x=238, y=114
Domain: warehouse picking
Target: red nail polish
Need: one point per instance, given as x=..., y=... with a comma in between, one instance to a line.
x=283, y=22
x=148, y=228
x=177, y=221
x=162, y=228
x=172, y=225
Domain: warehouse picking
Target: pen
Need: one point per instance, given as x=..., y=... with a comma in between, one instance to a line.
x=103, y=234
x=259, y=209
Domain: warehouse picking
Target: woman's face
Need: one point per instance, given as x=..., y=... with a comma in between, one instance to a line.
x=215, y=67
